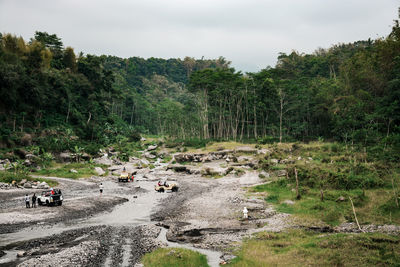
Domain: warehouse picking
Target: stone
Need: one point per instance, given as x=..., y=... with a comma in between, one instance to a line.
x=21, y=254
x=299, y=158
x=73, y=171
x=144, y=161
x=281, y=173
x=99, y=171
x=149, y=155
x=27, y=185
x=64, y=157
x=264, y=174
x=341, y=199
x=143, y=139
x=152, y=147
x=23, y=181
x=289, y=202
x=275, y=161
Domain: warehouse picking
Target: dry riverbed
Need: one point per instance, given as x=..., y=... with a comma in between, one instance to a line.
x=119, y=227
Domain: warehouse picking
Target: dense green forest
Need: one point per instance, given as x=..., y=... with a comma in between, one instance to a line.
x=349, y=92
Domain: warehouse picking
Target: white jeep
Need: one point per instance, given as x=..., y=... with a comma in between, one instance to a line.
x=50, y=198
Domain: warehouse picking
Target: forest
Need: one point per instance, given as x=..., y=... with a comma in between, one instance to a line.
x=348, y=93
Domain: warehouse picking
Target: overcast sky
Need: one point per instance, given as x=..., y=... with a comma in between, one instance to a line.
x=250, y=33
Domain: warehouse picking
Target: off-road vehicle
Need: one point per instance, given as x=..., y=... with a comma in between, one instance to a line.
x=124, y=177
x=50, y=198
x=162, y=187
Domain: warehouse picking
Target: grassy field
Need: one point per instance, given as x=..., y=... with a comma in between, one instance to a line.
x=174, y=257
x=301, y=248
x=84, y=170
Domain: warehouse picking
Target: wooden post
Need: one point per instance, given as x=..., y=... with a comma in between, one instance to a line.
x=395, y=193
x=297, y=185
x=355, y=215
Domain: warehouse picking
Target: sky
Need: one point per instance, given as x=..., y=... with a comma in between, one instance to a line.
x=249, y=33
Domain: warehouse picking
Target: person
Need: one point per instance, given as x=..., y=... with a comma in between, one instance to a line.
x=132, y=178
x=245, y=211
x=52, y=191
x=101, y=189
x=34, y=200
x=27, y=201
x=159, y=183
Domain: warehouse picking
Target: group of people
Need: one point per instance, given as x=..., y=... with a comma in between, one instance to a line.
x=33, y=201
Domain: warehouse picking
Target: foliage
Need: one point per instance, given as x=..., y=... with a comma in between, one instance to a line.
x=83, y=170
x=302, y=248
x=166, y=257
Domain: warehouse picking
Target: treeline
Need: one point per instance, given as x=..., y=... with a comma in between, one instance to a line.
x=349, y=92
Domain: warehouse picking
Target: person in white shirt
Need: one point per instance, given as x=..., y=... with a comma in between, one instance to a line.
x=245, y=211
x=27, y=201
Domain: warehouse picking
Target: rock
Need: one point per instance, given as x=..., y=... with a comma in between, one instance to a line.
x=281, y=173
x=43, y=185
x=73, y=171
x=289, y=202
x=21, y=254
x=64, y=157
x=26, y=140
x=143, y=139
x=149, y=155
x=103, y=160
x=341, y=199
x=264, y=174
x=299, y=158
x=23, y=181
x=144, y=161
x=310, y=158
x=99, y=171
x=152, y=147
x=275, y=161
x=27, y=185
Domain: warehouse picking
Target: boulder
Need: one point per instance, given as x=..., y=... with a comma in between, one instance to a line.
x=152, y=147
x=341, y=199
x=103, y=160
x=73, y=171
x=23, y=181
x=281, y=173
x=275, y=161
x=149, y=155
x=144, y=161
x=99, y=171
x=289, y=202
x=26, y=140
x=21, y=254
x=64, y=156
x=264, y=174
x=20, y=153
x=28, y=185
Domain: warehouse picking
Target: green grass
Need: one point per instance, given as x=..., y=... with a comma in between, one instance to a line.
x=83, y=170
x=8, y=177
x=372, y=206
x=301, y=248
x=174, y=257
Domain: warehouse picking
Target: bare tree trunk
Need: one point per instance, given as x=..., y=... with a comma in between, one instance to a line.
x=355, y=215
x=297, y=185
x=133, y=108
x=90, y=116
x=280, y=120
x=395, y=194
